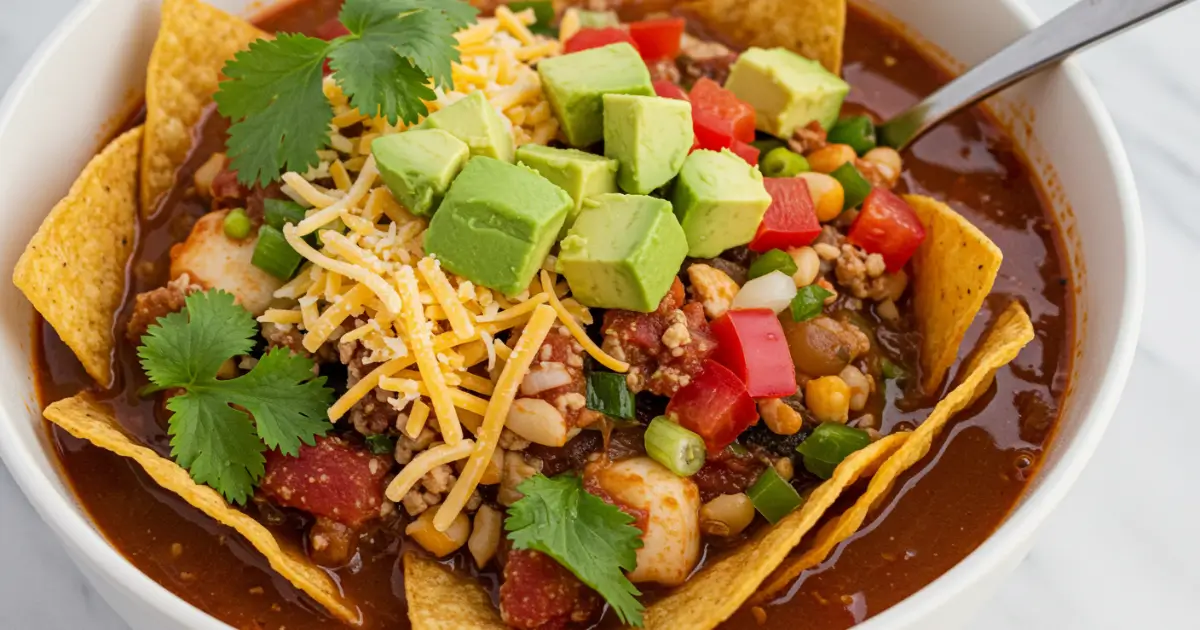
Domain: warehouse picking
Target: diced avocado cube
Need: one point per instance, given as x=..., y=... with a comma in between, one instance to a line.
x=418, y=166
x=720, y=200
x=623, y=252
x=786, y=90
x=576, y=83
x=649, y=136
x=473, y=120
x=579, y=173
x=497, y=224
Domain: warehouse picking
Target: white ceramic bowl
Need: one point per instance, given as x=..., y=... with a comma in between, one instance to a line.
x=63, y=105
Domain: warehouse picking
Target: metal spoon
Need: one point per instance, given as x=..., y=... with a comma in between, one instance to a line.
x=1082, y=24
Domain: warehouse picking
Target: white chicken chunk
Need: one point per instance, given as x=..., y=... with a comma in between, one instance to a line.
x=671, y=540
x=215, y=261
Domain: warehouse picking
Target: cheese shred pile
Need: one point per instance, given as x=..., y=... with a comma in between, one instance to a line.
x=368, y=287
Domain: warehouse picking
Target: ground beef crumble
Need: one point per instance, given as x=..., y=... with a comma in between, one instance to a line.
x=148, y=307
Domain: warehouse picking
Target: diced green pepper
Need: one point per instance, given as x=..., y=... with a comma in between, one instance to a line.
x=773, y=260
x=828, y=445
x=853, y=183
x=608, y=393
x=773, y=497
x=543, y=10
x=856, y=131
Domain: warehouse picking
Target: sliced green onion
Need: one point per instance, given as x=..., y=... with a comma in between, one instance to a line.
x=856, y=131
x=773, y=497
x=809, y=302
x=279, y=212
x=856, y=186
x=892, y=371
x=543, y=10
x=598, y=19
x=381, y=444
x=237, y=224
x=766, y=145
x=609, y=394
x=738, y=450
x=773, y=260
x=782, y=162
x=274, y=255
x=673, y=446
x=828, y=445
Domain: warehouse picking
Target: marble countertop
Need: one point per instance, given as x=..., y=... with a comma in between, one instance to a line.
x=1121, y=550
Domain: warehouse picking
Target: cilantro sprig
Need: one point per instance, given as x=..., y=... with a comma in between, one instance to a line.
x=591, y=538
x=395, y=53
x=220, y=428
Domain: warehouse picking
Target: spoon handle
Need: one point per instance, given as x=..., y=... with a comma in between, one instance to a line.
x=1078, y=26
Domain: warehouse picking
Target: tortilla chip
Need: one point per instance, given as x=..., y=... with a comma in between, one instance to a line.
x=86, y=419
x=813, y=28
x=1011, y=332
x=73, y=269
x=711, y=596
x=953, y=271
x=440, y=599
x=194, y=42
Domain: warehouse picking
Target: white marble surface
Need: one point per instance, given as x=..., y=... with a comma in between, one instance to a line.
x=1121, y=552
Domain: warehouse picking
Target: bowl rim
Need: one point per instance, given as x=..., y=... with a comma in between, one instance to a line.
x=80, y=535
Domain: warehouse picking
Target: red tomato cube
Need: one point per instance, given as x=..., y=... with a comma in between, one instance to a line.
x=669, y=89
x=588, y=38
x=658, y=39
x=333, y=478
x=714, y=405
x=887, y=226
x=745, y=151
x=712, y=132
x=735, y=115
x=791, y=219
x=752, y=345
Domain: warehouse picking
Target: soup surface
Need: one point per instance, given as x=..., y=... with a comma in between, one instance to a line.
x=942, y=509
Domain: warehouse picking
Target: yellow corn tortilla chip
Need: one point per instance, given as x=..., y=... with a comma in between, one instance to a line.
x=73, y=270
x=440, y=599
x=953, y=271
x=813, y=28
x=1011, y=332
x=711, y=596
x=86, y=419
x=194, y=42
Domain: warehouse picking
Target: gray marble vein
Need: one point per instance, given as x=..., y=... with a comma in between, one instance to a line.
x=1120, y=552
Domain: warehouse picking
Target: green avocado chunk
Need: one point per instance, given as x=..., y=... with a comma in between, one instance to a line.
x=649, y=136
x=473, y=120
x=575, y=84
x=580, y=173
x=720, y=200
x=418, y=166
x=497, y=224
x=786, y=90
x=623, y=252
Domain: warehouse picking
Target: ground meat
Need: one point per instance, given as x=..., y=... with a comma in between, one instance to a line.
x=539, y=594
x=727, y=472
x=373, y=413
x=865, y=275
x=664, y=70
x=560, y=359
x=148, y=307
x=331, y=544
x=407, y=447
x=808, y=139
x=227, y=193
x=700, y=58
x=666, y=348
x=334, y=479
x=284, y=336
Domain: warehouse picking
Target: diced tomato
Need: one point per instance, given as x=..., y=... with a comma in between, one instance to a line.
x=745, y=151
x=712, y=132
x=751, y=344
x=331, y=29
x=669, y=89
x=658, y=39
x=539, y=594
x=714, y=405
x=333, y=479
x=887, y=226
x=588, y=38
x=735, y=115
x=791, y=219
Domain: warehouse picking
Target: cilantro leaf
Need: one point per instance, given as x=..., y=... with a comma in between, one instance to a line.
x=220, y=428
x=377, y=79
x=809, y=302
x=591, y=538
x=274, y=93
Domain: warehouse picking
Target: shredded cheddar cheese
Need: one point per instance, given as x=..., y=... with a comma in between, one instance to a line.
x=417, y=417
x=601, y=357
x=423, y=463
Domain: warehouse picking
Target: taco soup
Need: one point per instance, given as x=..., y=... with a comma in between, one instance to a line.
x=413, y=313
